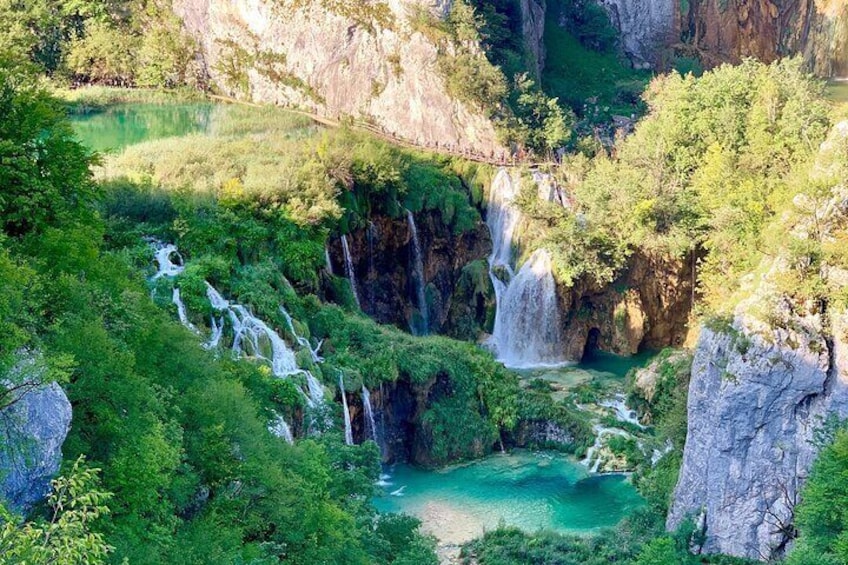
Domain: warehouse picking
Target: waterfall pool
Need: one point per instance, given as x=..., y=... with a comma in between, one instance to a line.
x=528, y=490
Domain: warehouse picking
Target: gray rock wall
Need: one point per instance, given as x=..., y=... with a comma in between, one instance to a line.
x=329, y=64
x=32, y=431
x=758, y=394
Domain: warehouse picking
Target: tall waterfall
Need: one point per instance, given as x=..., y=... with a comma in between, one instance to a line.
x=418, y=279
x=528, y=329
x=351, y=275
x=370, y=423
x=348, y=429
x=328, y=263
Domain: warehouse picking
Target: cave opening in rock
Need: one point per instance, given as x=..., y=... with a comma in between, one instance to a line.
x=591, y=346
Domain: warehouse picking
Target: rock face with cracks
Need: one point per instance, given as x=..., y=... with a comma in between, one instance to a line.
x=32, y=430
x=363, y=60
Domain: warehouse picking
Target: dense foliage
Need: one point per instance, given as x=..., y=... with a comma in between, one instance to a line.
x=180, y=434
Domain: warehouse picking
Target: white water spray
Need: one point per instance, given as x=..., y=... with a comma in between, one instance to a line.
x=418, y=278
x=280, y=428
x=351, y=275
x=528, y=329
x=348, y=429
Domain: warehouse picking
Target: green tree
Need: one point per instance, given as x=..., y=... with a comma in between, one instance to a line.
x=66, y=536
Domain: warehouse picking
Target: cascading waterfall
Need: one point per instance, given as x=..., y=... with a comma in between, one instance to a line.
x=348, y=428
x=163, y=254
x=280, y=428
x=418, y=279
x=181, y=310
x=593, y=460
x=527, y=331
x=301, y=340
x=370, y=422
x=351, y=275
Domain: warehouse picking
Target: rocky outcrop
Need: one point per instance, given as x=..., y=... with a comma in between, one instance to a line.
x=759, y=393
x=646, y=27
x=533, y=30
x=648, y=306
x=32, y=429
x=364, y=60
x=382, y=254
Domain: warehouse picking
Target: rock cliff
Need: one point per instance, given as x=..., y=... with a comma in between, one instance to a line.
x=365, y=60
x=718, y=32
x=33, y=427
x=765, y=385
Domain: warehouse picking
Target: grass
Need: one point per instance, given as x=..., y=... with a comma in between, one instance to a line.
x=98, y=98
x=576, y=74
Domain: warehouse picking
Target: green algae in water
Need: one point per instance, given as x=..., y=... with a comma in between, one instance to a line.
x=528, y=490
x=118, y=127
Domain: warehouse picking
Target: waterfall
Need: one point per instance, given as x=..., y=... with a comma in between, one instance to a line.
x=328, y=263
x=528, y=329
x=163, y=254
x=351, y=275
x=302, y=341
x=418, y=278
x=181, y=310
x=217, y=333
x=348, y=429
x=370, y=425
x=623, y=413
x=280, y=428
x=593, y=460
x=250, y=334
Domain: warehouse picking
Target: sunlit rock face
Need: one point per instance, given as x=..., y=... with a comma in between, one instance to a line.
x=381, y=71
x=646, y=27
x=33, y=427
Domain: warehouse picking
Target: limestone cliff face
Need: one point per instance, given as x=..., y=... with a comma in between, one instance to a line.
x=717, y=32
x=759, y=392
x=646, y=27
x=337, y=64
x=770, y=29
x=32, y=429
x=762, y=388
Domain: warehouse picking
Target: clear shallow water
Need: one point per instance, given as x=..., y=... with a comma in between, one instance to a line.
x=603, y=367
x=528, y=490
x=118, y=127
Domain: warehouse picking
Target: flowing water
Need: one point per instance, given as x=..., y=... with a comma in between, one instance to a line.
x=527, y=331
x=348, y=430
x=370, y=423
x=351, y=274
x=522, y=489
x=423, y=325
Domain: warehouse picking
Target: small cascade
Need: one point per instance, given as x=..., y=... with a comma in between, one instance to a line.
x=280, y=428
x=348, y=429
x=181, y=311
x=328, y=264
x=250, y=334
x=418, y=278
x=528, y=329
x=163, y=254
x=593, y=460
x=622, y=413
x=351, y=275
x=370, y=424
x=217, y=333
x=372, y=236
x=302, y=341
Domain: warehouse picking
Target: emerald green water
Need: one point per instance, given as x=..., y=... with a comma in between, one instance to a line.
x=529, y=490
x=117, y=127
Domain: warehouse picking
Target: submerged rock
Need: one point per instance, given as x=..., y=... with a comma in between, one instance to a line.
x=32, y=430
